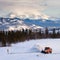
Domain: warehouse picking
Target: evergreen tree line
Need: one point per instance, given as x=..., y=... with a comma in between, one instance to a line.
x=8, y=37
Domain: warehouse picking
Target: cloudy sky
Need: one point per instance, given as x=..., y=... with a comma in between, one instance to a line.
x=48, y=7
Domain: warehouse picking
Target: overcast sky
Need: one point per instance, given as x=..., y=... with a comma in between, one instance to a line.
x=49, y=7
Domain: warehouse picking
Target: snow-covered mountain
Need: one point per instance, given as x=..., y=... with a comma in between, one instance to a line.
x=12, y=21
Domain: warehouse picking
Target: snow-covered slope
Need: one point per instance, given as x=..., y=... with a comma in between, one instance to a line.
x=27, y=50
x=16, y=24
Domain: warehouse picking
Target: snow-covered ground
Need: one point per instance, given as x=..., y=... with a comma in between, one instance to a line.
x=27, y=50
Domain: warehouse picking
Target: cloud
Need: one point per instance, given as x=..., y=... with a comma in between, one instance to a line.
x=53, y=3
x=21, y=6
x=32, y=6
x=21, y=3
x=53, y=8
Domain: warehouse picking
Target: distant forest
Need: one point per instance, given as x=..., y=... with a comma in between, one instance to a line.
x=8, y=37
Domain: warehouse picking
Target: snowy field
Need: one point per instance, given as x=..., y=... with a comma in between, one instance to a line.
x=27, y=50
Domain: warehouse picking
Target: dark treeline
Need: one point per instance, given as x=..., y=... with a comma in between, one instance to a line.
x=8, y=37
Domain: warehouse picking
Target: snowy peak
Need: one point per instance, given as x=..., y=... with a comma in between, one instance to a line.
x=11, y=15
x=27, y=15
x=35, y=16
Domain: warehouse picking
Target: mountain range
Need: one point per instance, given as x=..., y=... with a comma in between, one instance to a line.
x=14, y=22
